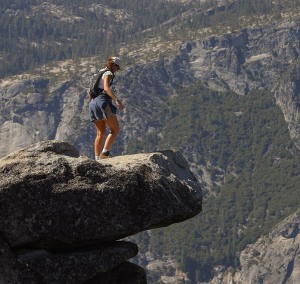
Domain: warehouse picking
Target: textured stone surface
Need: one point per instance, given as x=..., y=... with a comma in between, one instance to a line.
x=104, y=261
x=12, y=271
x=274, y=258
x=52, y=197
x=76, y=266
x=60, y=212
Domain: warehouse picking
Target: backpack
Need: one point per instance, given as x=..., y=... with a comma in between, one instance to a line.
x=94, y=91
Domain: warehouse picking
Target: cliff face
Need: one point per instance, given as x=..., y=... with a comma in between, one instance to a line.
x=62, y=214
x=274, y=258
x=255, y=59
x=33, y=109
x=53, y=104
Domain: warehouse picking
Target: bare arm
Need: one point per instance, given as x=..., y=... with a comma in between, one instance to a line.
x=109, y=92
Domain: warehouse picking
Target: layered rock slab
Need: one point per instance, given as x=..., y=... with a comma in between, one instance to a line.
x=61, y=213
x=53, y=197
x=76, y=266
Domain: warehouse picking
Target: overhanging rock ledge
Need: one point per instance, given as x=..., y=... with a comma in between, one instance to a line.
x=54, y=200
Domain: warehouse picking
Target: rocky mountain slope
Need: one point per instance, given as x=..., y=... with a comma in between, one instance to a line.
x=256, y=58
x=272, y=259
x=52, y=103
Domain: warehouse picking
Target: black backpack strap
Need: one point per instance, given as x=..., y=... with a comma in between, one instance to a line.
x=98, y=78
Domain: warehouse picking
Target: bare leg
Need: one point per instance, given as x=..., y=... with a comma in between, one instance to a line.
x=100, y=128
x=113, y=124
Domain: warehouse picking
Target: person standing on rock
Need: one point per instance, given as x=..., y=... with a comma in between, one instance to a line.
x=102, y=111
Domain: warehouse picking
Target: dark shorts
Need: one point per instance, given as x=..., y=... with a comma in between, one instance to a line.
x=101, y=109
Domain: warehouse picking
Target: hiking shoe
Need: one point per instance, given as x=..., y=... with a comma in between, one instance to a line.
x=105, y=155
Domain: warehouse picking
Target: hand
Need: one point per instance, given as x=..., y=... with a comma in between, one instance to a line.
x=119, y=105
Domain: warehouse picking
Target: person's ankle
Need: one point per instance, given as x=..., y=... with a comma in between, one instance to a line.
x=105, y=153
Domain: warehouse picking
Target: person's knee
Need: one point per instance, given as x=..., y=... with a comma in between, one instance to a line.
x=114, y=131
x=100, y=132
